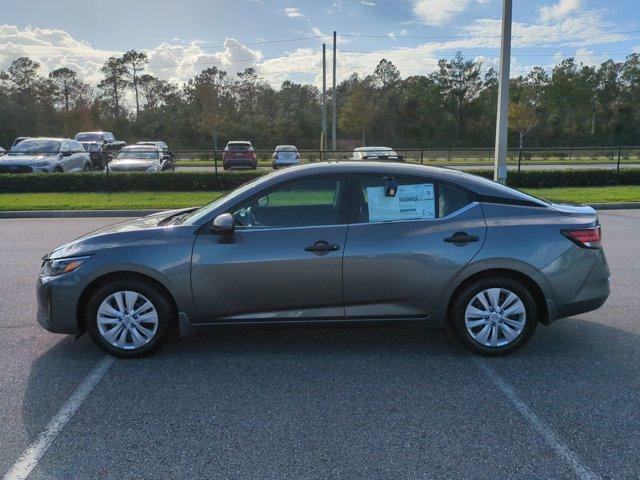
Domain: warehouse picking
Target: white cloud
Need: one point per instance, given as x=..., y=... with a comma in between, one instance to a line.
x=293, y=12
x=368, y=3
x=560, y=10
x=438, y=12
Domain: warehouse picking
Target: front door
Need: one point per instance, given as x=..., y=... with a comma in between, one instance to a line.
x=402, y=251
x=284, y=260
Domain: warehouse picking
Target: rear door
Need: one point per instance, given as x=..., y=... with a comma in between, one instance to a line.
x=402, y=251
x=284, y=260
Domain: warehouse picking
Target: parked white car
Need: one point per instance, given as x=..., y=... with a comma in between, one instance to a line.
x=285, y=156
x=384, y=154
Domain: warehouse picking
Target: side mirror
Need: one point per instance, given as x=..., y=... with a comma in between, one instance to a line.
x=223, y=224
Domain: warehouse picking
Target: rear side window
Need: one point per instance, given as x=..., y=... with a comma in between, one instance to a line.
x=416, y=198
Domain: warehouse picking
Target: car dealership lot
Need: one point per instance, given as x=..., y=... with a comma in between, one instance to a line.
x=383, y=402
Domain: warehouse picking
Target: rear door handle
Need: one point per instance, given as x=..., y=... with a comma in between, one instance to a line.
x=461, y=238
x=322, y=248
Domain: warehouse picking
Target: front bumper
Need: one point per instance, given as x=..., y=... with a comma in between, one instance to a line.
x=57, y=302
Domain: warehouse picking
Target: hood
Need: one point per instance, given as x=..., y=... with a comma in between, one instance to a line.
x=116, y=234
x=12, y=159
x=131, y=164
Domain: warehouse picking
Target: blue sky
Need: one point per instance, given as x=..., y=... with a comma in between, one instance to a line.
x=184, y=37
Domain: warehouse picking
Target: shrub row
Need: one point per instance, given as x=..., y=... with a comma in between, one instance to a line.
x=125, y=182
x=196, y=181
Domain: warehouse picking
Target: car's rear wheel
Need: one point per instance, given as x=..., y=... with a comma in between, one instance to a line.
x=87, y=167
x=494, y=315
x=128, y=317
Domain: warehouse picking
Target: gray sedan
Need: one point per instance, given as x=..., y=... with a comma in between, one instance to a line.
x=334, y=242
x=48, y=155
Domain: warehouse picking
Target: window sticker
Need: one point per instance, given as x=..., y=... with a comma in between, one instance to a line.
x=411, y=202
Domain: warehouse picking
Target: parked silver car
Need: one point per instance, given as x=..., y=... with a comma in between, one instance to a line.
x=334, y=242
x=382, y=154
x=138, y=158
x=285, y=156
x=49, y=155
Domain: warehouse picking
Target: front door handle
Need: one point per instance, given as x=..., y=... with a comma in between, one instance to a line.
x=322, y=248
x=461, y=238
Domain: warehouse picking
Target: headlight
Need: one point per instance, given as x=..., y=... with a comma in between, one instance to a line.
x=58, y=266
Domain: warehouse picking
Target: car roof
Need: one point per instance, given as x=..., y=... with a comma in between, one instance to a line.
x=58, y=139
x=239, y=141
x=138, y=147
x=97, y=131
x=362, y=149
x=474, y=183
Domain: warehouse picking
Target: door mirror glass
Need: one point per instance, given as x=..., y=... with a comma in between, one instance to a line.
x=223, y=224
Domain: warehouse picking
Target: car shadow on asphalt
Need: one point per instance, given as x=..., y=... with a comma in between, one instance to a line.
x=577, y=344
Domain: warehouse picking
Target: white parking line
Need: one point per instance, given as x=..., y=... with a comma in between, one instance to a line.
x=562, y=450
x=34, y=452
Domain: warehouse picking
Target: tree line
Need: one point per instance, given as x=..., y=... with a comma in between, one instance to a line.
x=572, y=105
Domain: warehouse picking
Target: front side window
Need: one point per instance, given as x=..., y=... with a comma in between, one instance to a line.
x=308, y=202
x=385, y=198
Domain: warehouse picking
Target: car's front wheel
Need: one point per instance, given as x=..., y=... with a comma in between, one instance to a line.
x=128, y=317
x=494, y=315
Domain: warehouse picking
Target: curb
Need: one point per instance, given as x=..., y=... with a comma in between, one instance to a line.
x=142, y=213
x=76, y=213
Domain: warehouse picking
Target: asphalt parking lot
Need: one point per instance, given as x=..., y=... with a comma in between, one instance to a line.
x=282, y=403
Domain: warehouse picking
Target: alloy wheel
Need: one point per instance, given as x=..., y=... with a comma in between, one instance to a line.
x=495, y=317
x=127, y=320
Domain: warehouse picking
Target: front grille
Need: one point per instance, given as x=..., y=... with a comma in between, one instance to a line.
x=15, y=169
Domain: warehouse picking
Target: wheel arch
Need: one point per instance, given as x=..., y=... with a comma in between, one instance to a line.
x=96, y=283
x=532, y=285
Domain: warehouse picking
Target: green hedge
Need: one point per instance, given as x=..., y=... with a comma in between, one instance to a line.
x=208, y=181
x=125, y=182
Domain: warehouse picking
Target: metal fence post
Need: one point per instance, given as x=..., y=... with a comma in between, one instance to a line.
x=519, y=159
x=421, y=156
x=570, y=153
x=106, y=169
x=215, y=162
x=449, y=155
x=618, y=166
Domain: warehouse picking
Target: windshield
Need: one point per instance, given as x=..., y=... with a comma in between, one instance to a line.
x=238, y=146
x=137, y=155
x=37, y=146
x=89, y=137
x=286, y=148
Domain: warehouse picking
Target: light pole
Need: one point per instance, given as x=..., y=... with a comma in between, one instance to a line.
x=502, y=119
x=324, y=97
x=334, y=116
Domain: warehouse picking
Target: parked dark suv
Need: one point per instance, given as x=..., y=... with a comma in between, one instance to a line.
x=239, y=154
x=102, y=146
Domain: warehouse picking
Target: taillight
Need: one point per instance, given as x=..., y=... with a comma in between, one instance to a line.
x=585, y=237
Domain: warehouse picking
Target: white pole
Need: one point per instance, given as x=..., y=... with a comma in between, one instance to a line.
x=324, y=96
x=502, y=120
x=334, y=115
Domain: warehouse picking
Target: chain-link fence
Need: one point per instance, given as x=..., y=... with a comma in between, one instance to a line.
x=133, y=159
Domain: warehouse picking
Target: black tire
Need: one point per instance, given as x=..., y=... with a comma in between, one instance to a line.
x=87, y=167
x=225, y=166
x=463, y=298
x=159, y=300
x=58, y=170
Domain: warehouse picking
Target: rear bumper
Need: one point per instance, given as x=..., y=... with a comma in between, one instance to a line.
x=239, y=162
x=580, y=296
